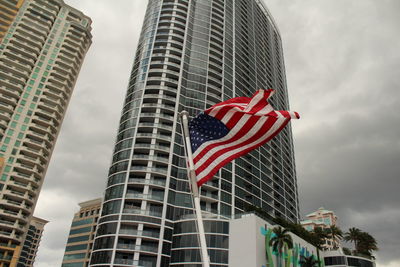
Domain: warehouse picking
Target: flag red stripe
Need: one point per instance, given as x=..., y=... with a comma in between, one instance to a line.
x=234, y=120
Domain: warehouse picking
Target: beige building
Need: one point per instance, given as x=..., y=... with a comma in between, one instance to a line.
x=32, y=241
x=42, y=47
x=8, y=11
x=80, y=239
x=324, y=219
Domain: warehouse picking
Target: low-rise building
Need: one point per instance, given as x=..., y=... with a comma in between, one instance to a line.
x=320, y=218
x=323, y=219
x=80, y=239
x=249, y=245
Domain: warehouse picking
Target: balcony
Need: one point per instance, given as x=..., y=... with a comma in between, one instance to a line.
x=149, y=169
x=155, y=125
x=10, y=85
x=43, y=111
x=147, y=248
x=211, y=185
x=40, y=136
x=8, y=99
x=154, y=235
x=127, y=262
x=16, y=185
x=142, y=212
x=161, y=106
x=12, y=203
x=148, y=158
x=6, y=107
x=33, y=151
x=156, y=183
x=44, y=121
x=13, y=215
x=20, y=176
x=151, y=135
x=14, y=93
x=148, y=197
x=14, y=194
x=5, y=115
x=29, y=160
x=36, y=127
x=208, y=197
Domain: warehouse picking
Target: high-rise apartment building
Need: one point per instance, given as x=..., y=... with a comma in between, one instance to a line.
x=31, y=243
x=80, y=239
x=191, y=55
x=41, y=52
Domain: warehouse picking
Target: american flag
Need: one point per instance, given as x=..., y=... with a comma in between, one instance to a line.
x=233, y=128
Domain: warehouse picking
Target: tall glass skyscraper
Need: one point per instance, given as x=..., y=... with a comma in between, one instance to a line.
x=191, y=55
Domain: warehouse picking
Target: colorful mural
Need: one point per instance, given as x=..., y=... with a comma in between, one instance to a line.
x=289, y=258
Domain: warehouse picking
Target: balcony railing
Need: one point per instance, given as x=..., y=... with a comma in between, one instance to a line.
x=139, y=233
x=142, y=212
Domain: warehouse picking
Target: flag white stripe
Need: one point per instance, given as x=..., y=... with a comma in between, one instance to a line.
x=255, y=100
x=228, y=116
x=292, y=115
x=265, y=110
x=215, y=110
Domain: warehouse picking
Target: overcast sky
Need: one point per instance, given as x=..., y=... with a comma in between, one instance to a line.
x=343, y=69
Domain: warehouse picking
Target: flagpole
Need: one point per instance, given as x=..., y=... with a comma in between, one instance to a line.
x=195, y=190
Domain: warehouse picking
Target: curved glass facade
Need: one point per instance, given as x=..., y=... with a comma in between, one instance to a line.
x=191, y=55
x=185, y=242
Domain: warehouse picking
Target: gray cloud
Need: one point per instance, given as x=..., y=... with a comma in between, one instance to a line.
x=342, y=64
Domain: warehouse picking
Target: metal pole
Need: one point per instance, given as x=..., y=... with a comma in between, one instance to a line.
x=195, y=190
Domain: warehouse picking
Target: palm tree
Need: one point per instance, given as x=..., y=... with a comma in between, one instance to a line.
x=346, y=251
x=319, y=236
x=353, y=235
x=366, y=244
x=309, y=261
x=336, y=234
x=279, y=240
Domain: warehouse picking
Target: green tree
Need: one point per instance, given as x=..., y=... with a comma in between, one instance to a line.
x=346, y=251
x=319, y=236
x=353, y=236
x=366, y=244
x=309, y=261
x=336, y=234
x=279, y=240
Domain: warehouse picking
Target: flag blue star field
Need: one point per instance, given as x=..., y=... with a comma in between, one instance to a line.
x=233, y=128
